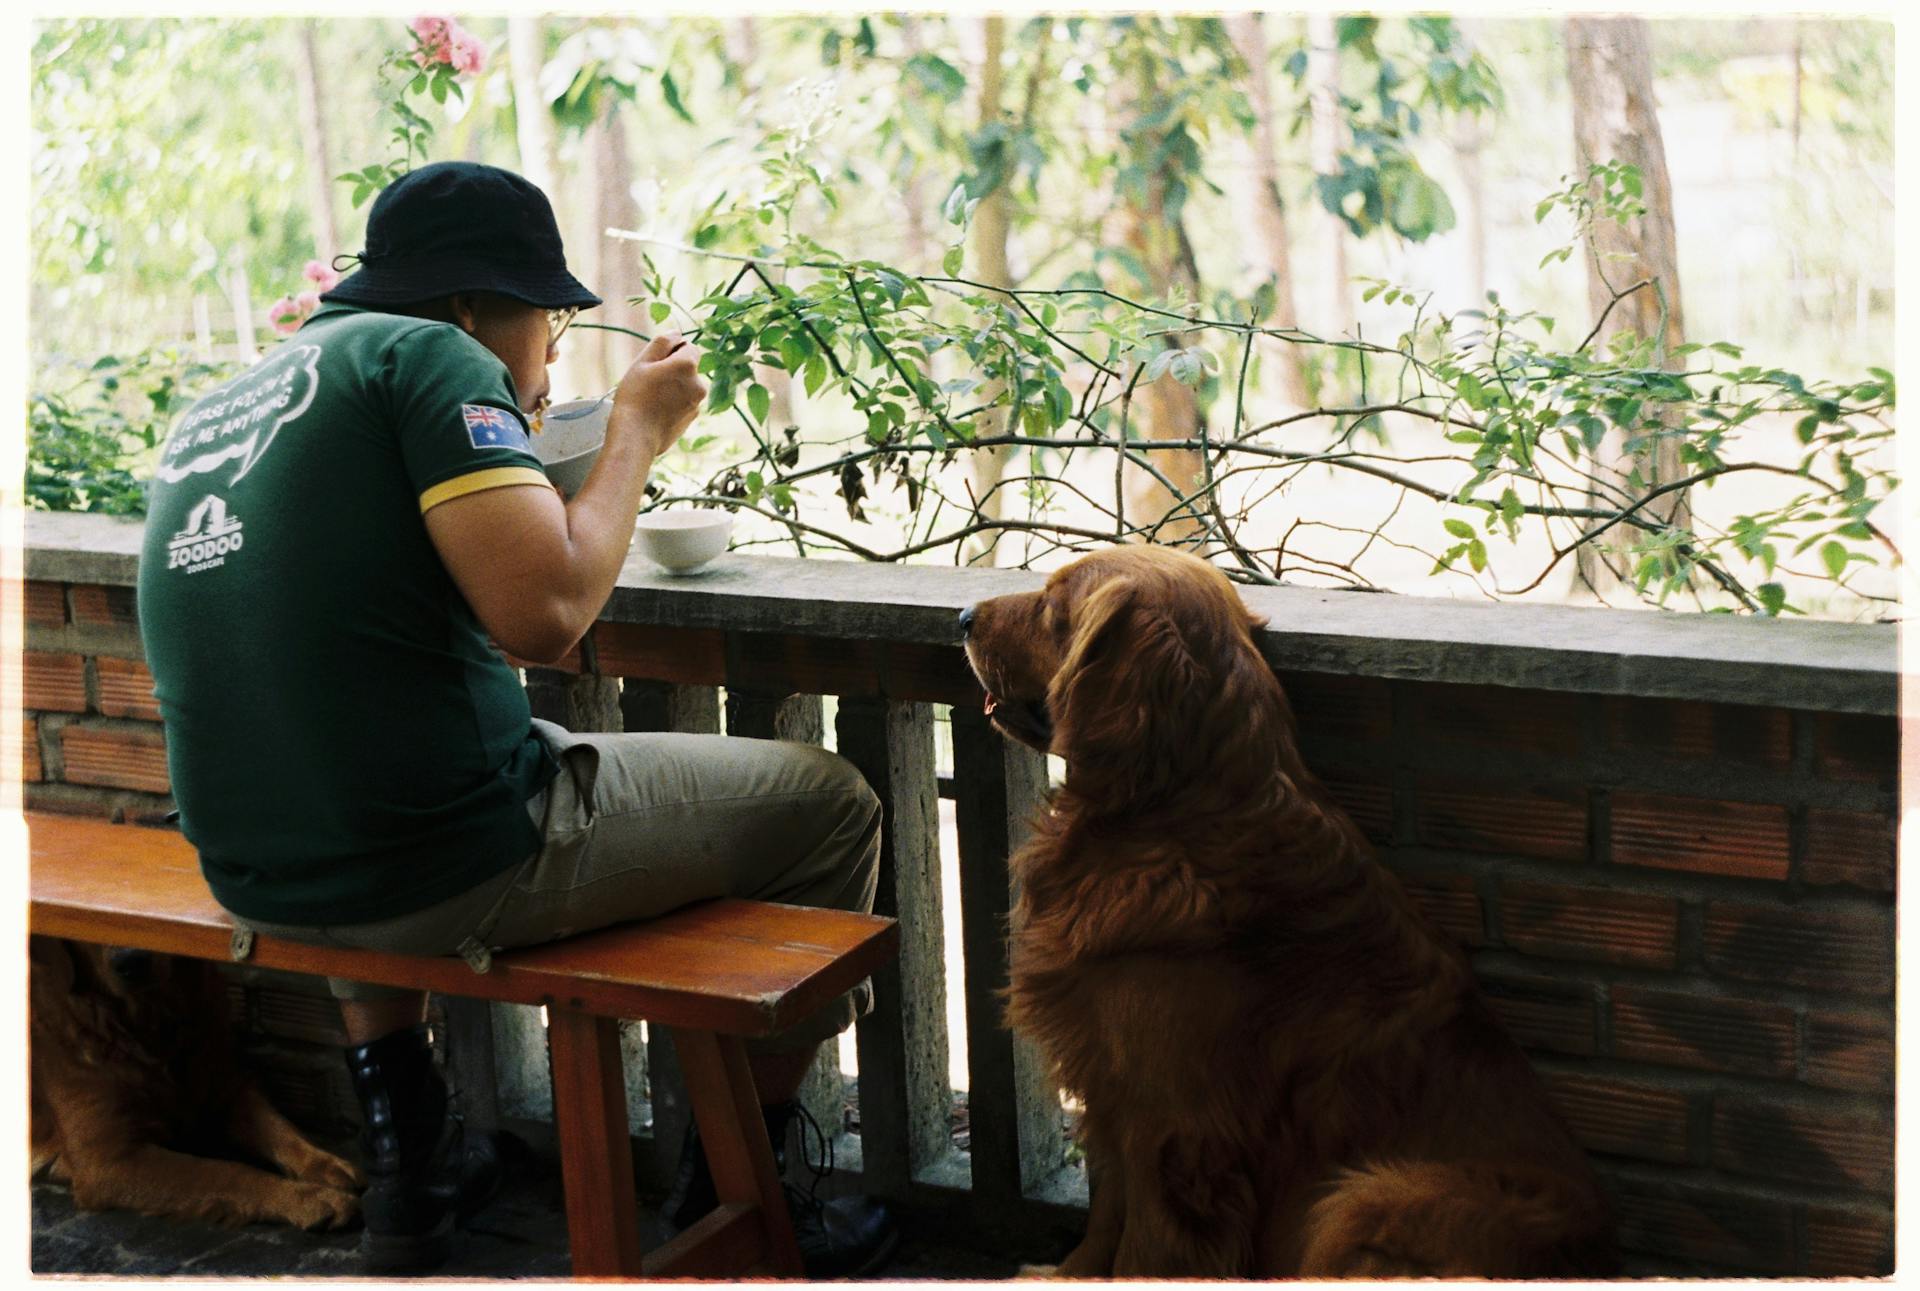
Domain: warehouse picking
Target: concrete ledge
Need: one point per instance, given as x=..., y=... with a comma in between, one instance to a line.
x=1825, y=667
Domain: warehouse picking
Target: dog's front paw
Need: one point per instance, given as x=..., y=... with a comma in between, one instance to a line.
x=330, y=1171
x=1030, y=1271
x=314, y=1206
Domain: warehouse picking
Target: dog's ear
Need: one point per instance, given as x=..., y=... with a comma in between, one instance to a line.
x=1126, y=694
x=51, y=961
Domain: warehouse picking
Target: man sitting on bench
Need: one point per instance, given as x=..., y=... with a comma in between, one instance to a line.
x=332, y=538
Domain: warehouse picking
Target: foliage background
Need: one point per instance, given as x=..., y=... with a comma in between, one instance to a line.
x=161, y=173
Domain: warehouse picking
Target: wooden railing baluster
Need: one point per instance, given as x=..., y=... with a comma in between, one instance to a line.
x=647, y=705
x=1013, y=1108
x=904, y=1090
x=799, y=718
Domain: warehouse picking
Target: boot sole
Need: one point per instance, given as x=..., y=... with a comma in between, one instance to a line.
x=405, y=1253
x=868, y=1267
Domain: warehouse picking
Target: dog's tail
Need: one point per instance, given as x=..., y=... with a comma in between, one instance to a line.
x=1436, y=1219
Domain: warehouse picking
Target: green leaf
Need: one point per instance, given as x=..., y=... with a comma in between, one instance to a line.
x=1459, y=528
x=794, y=349
x=658, y=311
x=1773, y=597
x=759, y=402
x=1511, y=508
x=937, y=76
x=671, y=93
x=1355, y=31
x=951, y=263
x=1834, y=556
x=955, y=209
x=1477, y=555
x=816, y=375
x=877, y=426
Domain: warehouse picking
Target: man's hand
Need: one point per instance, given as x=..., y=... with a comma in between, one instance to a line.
x=535, y=569
x=660, y=395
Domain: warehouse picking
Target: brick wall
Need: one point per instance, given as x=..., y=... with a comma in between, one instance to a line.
x=1685, y=913
x=92, y=738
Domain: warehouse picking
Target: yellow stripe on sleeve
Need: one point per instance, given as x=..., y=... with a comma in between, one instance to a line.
x=497, y=477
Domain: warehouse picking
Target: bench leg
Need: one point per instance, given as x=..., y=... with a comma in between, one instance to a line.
x=596, y=1157
x=727, y=1108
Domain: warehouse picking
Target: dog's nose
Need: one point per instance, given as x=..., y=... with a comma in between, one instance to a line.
x=966, y=622
x=133, y=967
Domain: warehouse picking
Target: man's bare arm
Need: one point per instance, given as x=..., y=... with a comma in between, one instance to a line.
x=536, y=569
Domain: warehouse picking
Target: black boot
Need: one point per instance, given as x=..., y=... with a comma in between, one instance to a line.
x=424, y=1169
x=845, y=1237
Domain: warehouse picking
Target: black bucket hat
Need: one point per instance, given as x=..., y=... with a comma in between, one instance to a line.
x=459, y=226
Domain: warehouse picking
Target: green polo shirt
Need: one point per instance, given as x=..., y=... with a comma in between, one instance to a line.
x=345, y=744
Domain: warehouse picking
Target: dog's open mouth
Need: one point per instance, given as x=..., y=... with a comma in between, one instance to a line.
x=1026, y=721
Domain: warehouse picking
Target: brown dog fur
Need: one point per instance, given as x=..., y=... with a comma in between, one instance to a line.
x=1287, y=1071
x=126, y=1074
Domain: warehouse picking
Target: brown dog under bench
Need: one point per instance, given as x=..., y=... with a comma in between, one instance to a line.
x=713, y=973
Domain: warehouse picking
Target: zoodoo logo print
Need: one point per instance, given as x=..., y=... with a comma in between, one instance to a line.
x=240, y=422
x=210, y=534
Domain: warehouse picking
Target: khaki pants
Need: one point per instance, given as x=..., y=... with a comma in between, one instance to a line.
x=639, y=824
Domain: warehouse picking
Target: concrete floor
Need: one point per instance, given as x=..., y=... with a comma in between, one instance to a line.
x=521, y=1234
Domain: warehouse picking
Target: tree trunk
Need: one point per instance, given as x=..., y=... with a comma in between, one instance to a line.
x=533, y=121
x=741, y=40
x=1269, y=208
x=313, y=139
x=241, y=299
x=1468, y=143
x=533, y=129
x=1329, y=134
x=920, y=252
x=1166, y=408
x=613, y=260
x=992, y=224
x=1610, y=74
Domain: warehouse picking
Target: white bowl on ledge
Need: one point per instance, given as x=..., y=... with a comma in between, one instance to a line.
x=683, y=542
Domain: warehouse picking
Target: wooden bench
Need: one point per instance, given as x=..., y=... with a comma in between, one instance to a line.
x=712, y=973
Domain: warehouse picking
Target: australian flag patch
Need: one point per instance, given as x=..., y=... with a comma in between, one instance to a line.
x=490, y=427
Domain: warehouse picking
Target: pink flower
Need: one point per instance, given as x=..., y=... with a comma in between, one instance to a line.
x=465, y=51
x=321, y=274
x=285, y=316
x=433, y=39
x=306, y=302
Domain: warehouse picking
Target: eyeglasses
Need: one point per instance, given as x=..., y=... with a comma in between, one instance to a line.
x=558, y=320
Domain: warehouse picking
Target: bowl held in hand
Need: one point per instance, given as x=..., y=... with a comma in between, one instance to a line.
x=569, y=441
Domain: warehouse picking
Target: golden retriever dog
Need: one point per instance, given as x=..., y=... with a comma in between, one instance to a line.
x=1287, y=1070
x=132, y=1061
